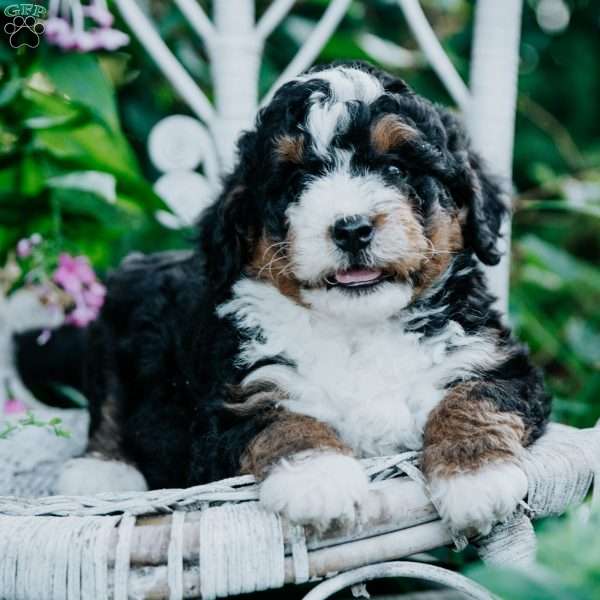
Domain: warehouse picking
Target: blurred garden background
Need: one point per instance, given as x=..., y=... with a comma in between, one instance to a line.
x=74, y=169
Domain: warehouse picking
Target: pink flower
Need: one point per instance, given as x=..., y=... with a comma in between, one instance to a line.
x=94, y=295
x=24, y=248
x=67, y=280
x=73, y=272
x=81, y=316
x=70, y=32
x=76, y=276
x=58, y=31
x=110, y=39
x=100, y=14
x=12, y=406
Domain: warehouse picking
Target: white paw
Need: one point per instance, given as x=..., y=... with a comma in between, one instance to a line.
x=480, y=499
x=318, y=489
x=87, y=476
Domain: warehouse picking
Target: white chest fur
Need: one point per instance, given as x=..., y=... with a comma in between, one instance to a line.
x=374, y=383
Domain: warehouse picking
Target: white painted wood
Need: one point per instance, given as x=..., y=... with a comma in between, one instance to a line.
x=312, y=46
x=272, y=17
x=491, y=112
x=431, y=47
x=197, y=19
x=412, y=570
x=180, y=79
x=235, y=59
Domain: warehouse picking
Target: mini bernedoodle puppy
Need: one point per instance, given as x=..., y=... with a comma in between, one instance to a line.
x=334, y=309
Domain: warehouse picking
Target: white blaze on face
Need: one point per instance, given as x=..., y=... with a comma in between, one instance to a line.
x=315, y=256
x=335, y=195
x=339, y=193
x=328, y=114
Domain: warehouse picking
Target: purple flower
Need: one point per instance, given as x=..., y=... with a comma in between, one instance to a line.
x=94, y=295
x=76, y=276
x=58, y=31
x=35, y=239
x=100, y=14
x=13, y=406
x=73, y=272
x=66, y=275
x=69, y=31
x=109, y=39
x=81, y=316
x=24, y=248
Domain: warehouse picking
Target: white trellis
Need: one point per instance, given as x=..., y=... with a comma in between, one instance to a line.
x=234, y=42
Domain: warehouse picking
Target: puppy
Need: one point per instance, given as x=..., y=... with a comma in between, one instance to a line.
x=334, y=309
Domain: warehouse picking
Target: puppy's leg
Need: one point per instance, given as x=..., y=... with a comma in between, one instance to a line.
x=308, y=475
x=104, y=466
x=471, y=457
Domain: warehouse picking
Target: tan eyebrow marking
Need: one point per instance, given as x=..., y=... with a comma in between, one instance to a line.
x=290, y=148
x=389, y=132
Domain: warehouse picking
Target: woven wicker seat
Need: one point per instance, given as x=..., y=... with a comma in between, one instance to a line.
x=214, y=540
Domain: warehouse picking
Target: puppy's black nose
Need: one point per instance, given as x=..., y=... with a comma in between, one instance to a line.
x=352, y=234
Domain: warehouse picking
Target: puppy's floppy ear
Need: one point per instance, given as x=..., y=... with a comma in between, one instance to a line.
x=486, y=212
x=225, y=229
x=483, y=196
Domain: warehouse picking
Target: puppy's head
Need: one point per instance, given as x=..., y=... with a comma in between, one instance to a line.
x=352, y=196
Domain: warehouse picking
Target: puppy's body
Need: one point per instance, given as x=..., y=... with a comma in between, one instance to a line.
x=334, y=310
x=374, y=383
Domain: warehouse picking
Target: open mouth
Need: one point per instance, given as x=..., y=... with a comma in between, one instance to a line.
x=357, y=278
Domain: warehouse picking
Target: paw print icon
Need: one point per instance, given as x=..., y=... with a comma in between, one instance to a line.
x=24, y=31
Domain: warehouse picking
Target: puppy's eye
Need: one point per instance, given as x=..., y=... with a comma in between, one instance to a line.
x=395, y=172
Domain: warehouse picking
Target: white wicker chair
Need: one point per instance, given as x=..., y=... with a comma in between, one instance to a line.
x=214, y=540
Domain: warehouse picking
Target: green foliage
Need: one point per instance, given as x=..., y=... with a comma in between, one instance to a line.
x=53, y=425
x=67, y=170
x=556, y=576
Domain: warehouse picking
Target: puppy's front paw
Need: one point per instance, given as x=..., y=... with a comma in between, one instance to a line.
x=479, y=499
x=316, y=489
x=88, y=475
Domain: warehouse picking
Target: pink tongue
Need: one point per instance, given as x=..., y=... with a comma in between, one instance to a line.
x=357, y=276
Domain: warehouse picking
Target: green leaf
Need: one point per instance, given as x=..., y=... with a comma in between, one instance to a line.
x=570, y=269
x=584, y=340
x=9, y=91
x=90, y=147
x=534, y=584
x=561, y=205
x=87, y=204
x=96, y=182
x=31, y=177
x=47, y=122
x=80, y=78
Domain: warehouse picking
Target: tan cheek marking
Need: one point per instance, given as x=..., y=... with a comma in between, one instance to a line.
x=404, y=218
x=271, y=262
x=466, y=431
x=289, y=148
x=389, y=132
x=288, y=434
x=445, y=240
